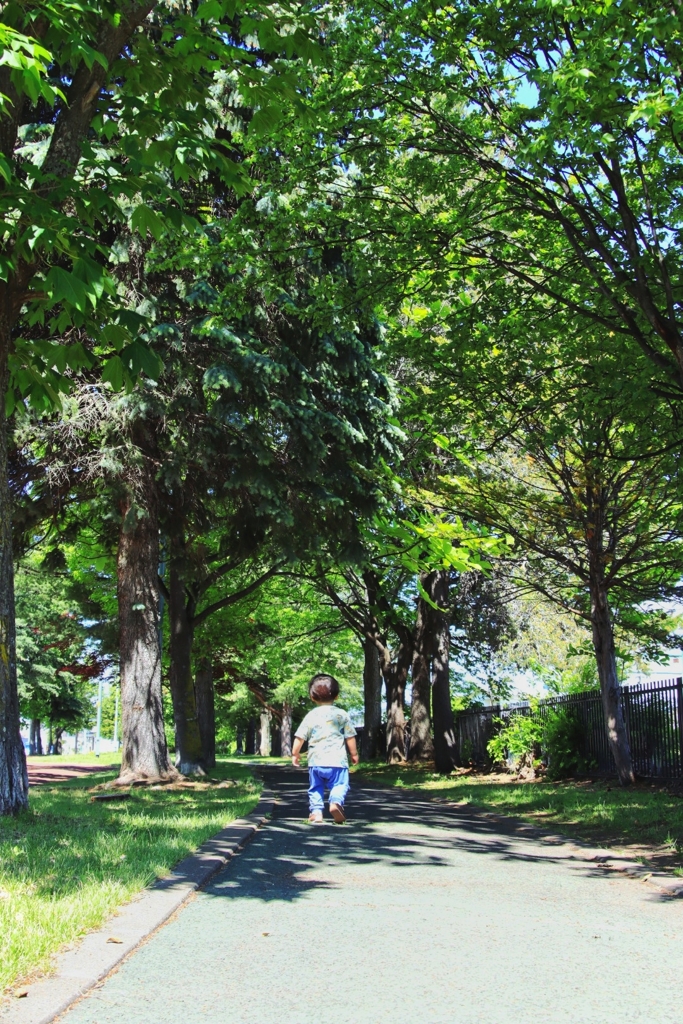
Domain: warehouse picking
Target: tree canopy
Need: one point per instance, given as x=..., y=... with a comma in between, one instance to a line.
x=334, y=339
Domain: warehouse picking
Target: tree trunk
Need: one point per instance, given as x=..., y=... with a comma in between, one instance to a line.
x=206, y=711
x=13, y=773
x=239, y=740
x=421, y=745
x=372, y=700
x=445, y=739
x=610, y=688
x=58, y=740
x=395, y=675
x=188, y=740
x=144, y=754
x=250, y=745
x=275, y=737
x=286, y=730
x=264, y=748
x=35, y=737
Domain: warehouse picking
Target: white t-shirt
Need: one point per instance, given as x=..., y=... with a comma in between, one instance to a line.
x=326, y=728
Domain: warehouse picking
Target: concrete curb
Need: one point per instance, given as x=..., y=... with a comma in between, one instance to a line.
x=81, y=968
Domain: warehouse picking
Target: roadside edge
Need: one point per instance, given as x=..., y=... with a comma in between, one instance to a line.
x=80, y=968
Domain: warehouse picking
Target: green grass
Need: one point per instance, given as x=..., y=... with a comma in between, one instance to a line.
x=599, y=811
x=58, y=759
x=256, y=759
x=67, y=863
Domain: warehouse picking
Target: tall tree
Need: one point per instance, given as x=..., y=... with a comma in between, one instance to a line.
x=445, y=744
x=421, y=743
x=516, y=140
x=89, y=96
x=569, y=471
x=376, y=598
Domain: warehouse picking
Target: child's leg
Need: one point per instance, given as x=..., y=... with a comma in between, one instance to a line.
x=339, y=785
x=316, y=791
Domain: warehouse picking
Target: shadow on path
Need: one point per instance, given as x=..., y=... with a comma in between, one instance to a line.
x=398, y=829
x=412, y=911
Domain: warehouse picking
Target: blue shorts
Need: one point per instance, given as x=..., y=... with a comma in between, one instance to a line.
x=321, y=778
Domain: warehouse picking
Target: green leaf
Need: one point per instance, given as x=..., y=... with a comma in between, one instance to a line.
x=144, y=220
x=113, y=372
x=65, y=287
x=140, y=358
x=115, y=335
x=210, y=10
x=264, y=119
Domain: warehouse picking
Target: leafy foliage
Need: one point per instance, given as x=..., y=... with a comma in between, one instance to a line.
x=56, y=659
x=518, y=742
x=563, y=737
x=96, y=143
x=554, y=737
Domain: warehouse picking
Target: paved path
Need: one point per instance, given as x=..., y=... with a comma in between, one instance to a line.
x=40, y=774
x=414, y=913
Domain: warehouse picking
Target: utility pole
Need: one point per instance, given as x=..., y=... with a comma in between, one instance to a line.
x=99, y=719
x=116, y=717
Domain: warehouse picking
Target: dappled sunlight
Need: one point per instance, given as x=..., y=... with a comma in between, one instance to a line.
x=396, y=829
x=598, y=810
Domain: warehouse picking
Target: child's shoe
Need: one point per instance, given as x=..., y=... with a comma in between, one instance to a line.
x=316, y=817
x=337, y=812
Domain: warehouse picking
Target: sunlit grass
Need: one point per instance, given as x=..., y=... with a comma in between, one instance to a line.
x=597, y=811
x=67, y=863
x=57, y=760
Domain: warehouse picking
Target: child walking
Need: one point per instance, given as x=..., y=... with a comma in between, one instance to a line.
x=329, y=732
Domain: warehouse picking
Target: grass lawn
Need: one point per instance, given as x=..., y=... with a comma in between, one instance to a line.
x=67, y=863
x=56, y=759
x=645, y=819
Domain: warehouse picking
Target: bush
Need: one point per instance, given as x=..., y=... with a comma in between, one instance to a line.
x=518, y=744
x=467, y=752
x=563, y=741
x=557, y=740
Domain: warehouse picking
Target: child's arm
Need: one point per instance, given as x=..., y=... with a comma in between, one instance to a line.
x=353, y=749
x=296, y=750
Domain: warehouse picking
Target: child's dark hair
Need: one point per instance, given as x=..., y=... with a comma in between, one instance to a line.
x=323, y=687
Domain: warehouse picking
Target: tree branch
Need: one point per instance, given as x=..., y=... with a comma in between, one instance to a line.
x=238, y=595
x=74, y=120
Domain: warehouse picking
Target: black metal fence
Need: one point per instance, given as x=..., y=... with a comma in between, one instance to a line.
x=654, y=722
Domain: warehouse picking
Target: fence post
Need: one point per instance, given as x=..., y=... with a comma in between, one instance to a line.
x=627, y=714
x=679, y=702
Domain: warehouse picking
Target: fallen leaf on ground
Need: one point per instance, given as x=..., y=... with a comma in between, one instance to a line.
x=21, y=993
x=115, y=940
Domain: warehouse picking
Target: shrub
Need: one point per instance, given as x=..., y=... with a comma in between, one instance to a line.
x=563, y=741
x=518, y=744
x=557, y=740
